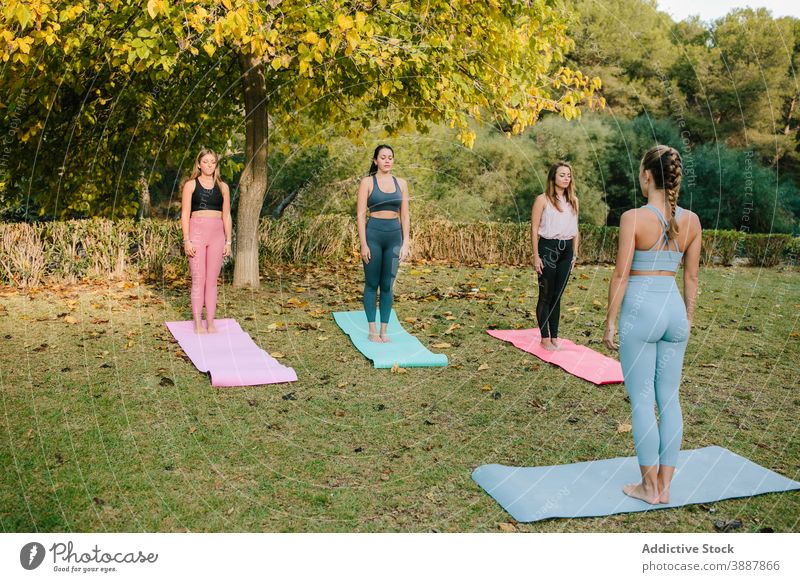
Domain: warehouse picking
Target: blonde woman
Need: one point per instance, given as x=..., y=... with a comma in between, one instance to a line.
x=206, y=224
x=654, y=320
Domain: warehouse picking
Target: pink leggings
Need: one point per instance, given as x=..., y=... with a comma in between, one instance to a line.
x=207, y=235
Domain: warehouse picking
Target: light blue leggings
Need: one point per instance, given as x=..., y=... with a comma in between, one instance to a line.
x=653, y=331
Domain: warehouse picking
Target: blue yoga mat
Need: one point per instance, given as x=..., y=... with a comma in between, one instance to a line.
x=594, y=488
x=404, y=350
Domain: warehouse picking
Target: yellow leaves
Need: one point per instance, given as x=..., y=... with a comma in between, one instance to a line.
x=310, y=37
x=227, y=4
x=210, y=49
x=24, y=44
x=156, y=7
x=23, y=15
x=344, y=21
x=361, y=19
x=276, y=63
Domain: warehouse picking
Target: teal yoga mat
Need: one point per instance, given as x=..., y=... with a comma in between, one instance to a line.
x=404, y=350
x=594, y=488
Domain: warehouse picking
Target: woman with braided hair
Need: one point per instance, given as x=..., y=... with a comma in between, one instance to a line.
x=654, y=321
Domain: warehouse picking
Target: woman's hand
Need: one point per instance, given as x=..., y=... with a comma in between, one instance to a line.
x=189, y=249
x=405, y=251
x=365, y=254
x=609, y=336
x=574, y=260
x=226, y=251
x=538, y=264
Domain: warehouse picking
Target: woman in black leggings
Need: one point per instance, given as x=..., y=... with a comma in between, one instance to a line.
x=384, y=238
x=554, y=230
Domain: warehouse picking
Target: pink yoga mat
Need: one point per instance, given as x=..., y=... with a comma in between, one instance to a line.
x=578, y=360
x=230, y=355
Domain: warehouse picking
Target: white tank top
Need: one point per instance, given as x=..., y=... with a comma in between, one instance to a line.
x=556, y=224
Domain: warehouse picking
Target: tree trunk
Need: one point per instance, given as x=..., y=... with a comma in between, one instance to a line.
x=144, y=198
x=253, y=183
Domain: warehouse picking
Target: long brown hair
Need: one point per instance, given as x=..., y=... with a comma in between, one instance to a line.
x=569, y=191
x=666, y=166
x=196, y=169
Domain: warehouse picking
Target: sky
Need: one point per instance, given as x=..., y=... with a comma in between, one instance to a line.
x=712, y=9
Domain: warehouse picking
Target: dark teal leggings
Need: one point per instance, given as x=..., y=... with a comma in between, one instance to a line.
x=653, y=332
x=384, y=239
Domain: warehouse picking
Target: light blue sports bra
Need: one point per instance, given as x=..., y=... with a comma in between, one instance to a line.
x=664, y=259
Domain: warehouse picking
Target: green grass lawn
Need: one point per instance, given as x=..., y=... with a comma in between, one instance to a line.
x=107, y=427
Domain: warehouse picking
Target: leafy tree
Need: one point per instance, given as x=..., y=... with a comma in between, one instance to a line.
x=437, y=60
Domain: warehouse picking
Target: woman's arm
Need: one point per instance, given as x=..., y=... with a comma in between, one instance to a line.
x=576, y=242
x=536, y=218
x=619, y=279
x=691, y=267
x=361, y=217
x=405, y=221
x=186, y=214
x=227, y=221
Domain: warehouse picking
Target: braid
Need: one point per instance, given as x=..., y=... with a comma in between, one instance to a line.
x=667, y=169
x=672, y=185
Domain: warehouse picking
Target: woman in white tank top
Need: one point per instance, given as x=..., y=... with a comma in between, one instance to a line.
x=554, y=231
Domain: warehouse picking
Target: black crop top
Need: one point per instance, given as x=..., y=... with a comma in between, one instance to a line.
x=206, y=198
x=380, y=200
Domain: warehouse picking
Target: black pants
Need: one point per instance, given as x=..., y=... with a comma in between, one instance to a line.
x=557, y=258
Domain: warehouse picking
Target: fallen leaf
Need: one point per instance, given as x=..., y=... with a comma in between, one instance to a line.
x=623, y=427
x=166, y=382
x=483, y=367
x=192, y=429
x=339, y=413
x=70, y=319
x=727, y=525
x=486, y=388
x=278, y=355
x=441, y=345
x=507, y=527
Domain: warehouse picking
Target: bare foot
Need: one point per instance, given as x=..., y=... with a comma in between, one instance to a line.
x=385, y=338
x=199, y=329
x=548, y=345
x=556, y=344
x=639, y=491
x=374, y=337
x=663, y=496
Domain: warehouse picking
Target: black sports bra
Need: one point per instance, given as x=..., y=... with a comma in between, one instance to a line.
x=206, y=198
